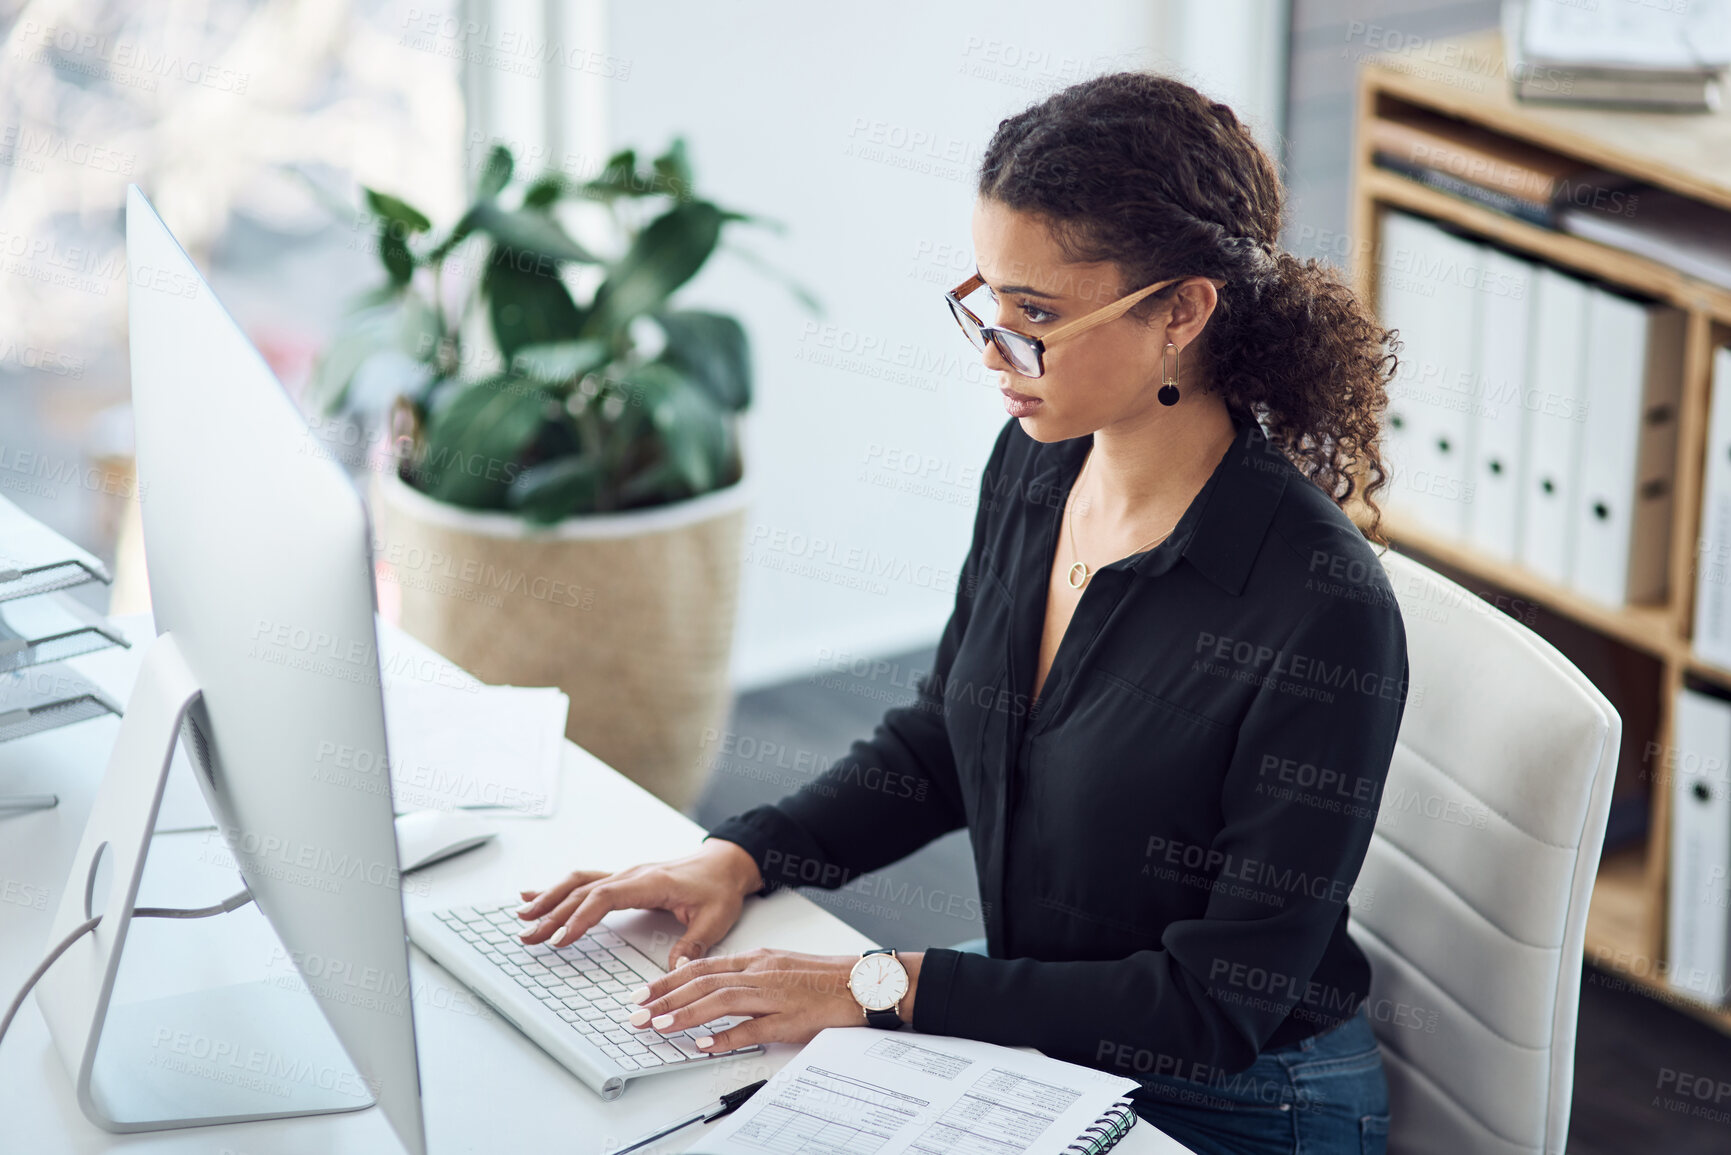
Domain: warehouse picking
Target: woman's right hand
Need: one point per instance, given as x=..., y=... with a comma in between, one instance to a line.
x=705, y=891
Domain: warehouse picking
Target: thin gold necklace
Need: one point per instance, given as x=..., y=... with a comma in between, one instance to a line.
x=1071, y=517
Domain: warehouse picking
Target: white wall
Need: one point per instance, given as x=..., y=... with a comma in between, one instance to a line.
x=861, y=129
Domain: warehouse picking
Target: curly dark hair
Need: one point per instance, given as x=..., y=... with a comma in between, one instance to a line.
x=1147, y=173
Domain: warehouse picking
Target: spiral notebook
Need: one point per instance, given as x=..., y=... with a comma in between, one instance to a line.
x=864, y=1091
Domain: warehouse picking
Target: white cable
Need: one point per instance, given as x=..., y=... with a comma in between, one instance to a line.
x=232, y=902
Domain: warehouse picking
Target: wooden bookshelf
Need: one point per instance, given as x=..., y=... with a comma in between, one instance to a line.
x=1684, y=153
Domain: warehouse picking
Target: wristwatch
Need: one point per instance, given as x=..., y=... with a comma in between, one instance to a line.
x=878, y=982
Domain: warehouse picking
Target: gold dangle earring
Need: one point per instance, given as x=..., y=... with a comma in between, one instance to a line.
x=1169, y=375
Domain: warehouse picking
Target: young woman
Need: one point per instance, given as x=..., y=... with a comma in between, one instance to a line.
x=1165, y=703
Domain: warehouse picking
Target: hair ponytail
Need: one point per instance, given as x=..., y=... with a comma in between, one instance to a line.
x=1147, y=173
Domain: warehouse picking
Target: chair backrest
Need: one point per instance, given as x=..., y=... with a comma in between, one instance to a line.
x=1472, y=903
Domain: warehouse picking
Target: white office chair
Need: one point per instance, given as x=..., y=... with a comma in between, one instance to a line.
x=1475, y=887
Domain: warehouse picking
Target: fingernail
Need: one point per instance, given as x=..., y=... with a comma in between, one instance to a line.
x=525, y=909
x=661, y=1022
x=639, y=1017
x=681, y=961
x=640, y=995
x=706, y=1042
x=562, y=934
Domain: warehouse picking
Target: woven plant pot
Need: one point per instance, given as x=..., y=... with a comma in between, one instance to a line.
x=631, y=614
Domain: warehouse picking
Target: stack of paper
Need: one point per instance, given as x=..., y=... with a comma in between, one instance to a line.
x=39, y=628
x=51, y=628
x=860, y=1089
x=473, y=746
x=1677, y=231
x=36, y=560
x=1662, y=55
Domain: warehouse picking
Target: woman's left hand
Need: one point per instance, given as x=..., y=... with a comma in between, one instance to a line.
x=789, y=996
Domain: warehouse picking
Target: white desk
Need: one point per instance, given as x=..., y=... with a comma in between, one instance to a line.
x=485, y=1088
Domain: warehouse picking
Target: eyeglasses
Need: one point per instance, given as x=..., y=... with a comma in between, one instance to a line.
x=1027, y=355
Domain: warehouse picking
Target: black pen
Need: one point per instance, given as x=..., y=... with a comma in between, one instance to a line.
x=722, y=1106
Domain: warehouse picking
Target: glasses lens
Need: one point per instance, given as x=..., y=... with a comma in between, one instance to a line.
x=1020, y=352
x=968, y=324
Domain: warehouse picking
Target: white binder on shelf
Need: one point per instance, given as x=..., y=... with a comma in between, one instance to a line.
x=1445, y=424
x=1400, y=306
x=1696, y=932
x=1555, y=416
x=1496, y=447
x=1432, y=293
x=1634, y=383
x=1712, y=632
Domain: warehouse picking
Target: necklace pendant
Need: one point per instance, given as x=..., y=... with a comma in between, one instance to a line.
x=1074, y=584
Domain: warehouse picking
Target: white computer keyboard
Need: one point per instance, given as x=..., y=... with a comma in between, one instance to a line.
x=571, y=1000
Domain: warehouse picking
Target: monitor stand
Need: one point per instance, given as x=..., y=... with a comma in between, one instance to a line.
x=225, y=1055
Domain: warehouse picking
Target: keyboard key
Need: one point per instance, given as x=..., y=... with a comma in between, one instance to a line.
x=569, y=1016
x=686, y=1046
x=628, y=1063
x=666, y=1052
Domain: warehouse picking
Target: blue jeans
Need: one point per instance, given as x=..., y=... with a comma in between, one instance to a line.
x=1325, y=1095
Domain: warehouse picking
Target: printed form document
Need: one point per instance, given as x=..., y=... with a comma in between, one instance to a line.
x=862, y=1091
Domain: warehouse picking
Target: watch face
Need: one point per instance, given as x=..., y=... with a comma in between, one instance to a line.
x=878, y=981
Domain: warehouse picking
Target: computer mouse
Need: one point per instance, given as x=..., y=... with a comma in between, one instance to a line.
x=428, y=836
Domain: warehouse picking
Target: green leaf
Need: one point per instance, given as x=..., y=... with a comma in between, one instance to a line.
x=618, y=178
x=690, y=426
x=361, y=336
x=495, y=174
x=694, y=430
x=802, y=294
x=558, y=362
x=474, y=443
x=394, y=254
x=657, y=484
x=544, y=191
x=674, y=170
x=526, y=308
x=770, y=223
x=459, y=233
x=530, y=234
x=418, y=332
x=710, y=349
x=665, y=255
x=557, y=489
x=390, y=208
x=387, y=293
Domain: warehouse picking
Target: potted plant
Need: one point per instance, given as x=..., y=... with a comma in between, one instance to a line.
x=564, y=498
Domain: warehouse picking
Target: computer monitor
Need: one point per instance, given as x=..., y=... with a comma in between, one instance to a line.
x=258, y=550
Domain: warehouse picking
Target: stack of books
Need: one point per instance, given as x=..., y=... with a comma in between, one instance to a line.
x=1533, y=414
x=1656, y=55
x=41, y=627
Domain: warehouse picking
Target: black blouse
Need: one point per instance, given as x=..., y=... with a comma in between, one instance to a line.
x=1167, y=843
